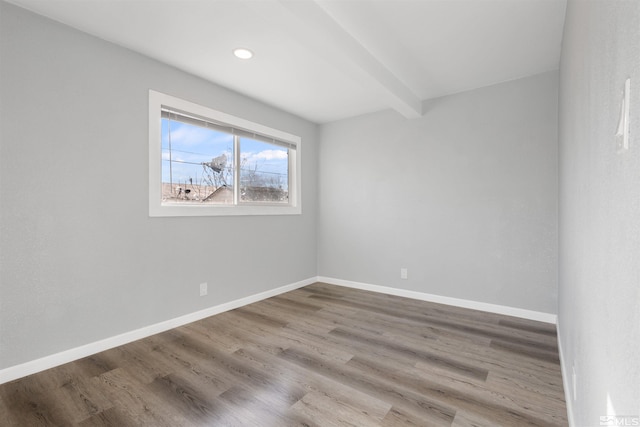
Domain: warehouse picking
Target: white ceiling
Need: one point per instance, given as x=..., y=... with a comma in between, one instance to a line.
x=326, y=60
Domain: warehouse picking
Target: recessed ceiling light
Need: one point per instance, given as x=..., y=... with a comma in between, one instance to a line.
x=242, y=53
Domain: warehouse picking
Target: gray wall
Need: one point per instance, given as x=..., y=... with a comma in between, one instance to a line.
x=465, y=197
x=599, y=307
x=80, y=259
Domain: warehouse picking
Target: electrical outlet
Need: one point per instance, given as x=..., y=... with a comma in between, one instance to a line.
x=404, y=274
x=203, y=289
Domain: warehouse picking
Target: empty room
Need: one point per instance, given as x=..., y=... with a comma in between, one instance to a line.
x=320, y=213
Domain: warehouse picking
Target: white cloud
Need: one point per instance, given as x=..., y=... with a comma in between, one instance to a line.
x=189, y=135
x=272, y=155
x=175, y=157
x=186, y=135
x=267, y=155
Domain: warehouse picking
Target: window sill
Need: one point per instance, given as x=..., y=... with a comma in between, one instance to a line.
x=177, y=210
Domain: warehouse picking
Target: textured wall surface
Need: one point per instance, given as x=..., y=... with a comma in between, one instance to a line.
x=465, y=198
x=599, y=298
x=80, y=258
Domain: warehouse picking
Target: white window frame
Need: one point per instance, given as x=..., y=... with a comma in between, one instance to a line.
x=158, y=209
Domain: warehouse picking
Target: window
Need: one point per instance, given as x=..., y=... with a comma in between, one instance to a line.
x=204, y=162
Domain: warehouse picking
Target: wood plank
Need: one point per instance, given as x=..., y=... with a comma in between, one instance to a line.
x=321, y=355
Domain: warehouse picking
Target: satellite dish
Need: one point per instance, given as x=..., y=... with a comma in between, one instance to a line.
x=217, y=163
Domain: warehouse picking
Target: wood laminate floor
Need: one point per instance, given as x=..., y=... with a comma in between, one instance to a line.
x=318, y=356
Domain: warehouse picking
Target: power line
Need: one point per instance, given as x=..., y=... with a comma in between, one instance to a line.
x=229, y=168
x=189, y=152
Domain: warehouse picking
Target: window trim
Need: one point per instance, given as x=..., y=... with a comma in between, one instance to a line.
x=159, y=100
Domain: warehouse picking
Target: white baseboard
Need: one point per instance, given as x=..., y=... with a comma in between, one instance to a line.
x=47, y=362
x=457, y=302
x=567, y=381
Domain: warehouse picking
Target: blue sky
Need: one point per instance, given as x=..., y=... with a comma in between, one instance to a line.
x=191, y=145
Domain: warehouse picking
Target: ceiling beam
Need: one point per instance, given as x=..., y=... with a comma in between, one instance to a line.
x=320, y=27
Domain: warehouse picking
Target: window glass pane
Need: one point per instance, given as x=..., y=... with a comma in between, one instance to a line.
x=264, y=172
x=197, y=164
